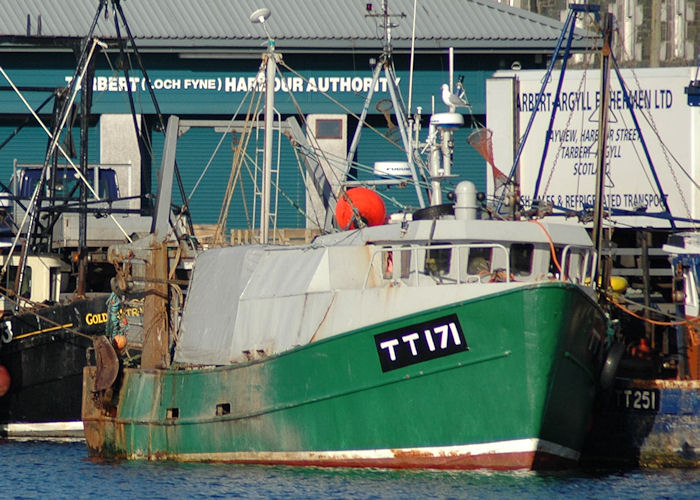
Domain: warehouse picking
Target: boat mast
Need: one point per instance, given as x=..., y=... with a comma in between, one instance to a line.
x=270, y=63
x=34, y=206
x=85, y=104
x=566, y=35
x=385, y=62
x=598, y=213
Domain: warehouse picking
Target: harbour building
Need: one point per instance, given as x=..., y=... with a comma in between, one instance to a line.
x=201, y=62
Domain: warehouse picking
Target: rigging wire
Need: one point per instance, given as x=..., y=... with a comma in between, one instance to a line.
x=53, y=147
x=229, y=128
x=648, y=117
x=561, y=144
x=344, y=108
x=421, y=167
x=238, y=158
x=333, y=160
x=126, y=76
x=588, y=56
x=145, y=138
x=17, y=130
x=159, y=115
x=413, y=56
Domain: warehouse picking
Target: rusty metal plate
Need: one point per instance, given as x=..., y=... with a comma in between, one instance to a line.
x=107, y=363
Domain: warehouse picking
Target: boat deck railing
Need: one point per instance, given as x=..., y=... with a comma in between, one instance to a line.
x=465, y=263
x=404, y=262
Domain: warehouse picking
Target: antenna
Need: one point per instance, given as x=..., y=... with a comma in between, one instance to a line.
x=386, y=23
x=260, y=16
x=385, y=64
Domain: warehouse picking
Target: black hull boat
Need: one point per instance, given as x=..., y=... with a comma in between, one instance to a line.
x=54, y=281
x=43, y=353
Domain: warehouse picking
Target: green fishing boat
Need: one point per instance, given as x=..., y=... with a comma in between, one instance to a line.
x=443, y=338
x=330, y=361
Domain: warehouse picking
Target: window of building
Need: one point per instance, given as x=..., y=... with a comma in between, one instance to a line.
x=329, y=129
x=11, y=276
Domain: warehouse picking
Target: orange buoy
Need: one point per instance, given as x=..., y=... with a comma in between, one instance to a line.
x=642, y=350
x=119, y=342
x=4, y=381
x=359, y=204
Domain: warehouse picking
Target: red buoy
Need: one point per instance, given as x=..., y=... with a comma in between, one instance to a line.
x=4, y=381
x=359, y=204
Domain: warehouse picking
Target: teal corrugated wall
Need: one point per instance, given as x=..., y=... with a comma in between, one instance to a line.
x=178, y=85
x=194, y=152
x=197, y=145
x=467, y=165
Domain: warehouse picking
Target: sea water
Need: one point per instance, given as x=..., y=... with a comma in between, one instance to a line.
x=54, y=470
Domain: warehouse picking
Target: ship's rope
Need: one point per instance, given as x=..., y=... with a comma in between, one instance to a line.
x=614, y=300
x=115, y=325
x=551, y=247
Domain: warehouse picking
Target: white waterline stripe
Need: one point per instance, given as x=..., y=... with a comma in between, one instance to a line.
x=496, y=448
x=43, y=429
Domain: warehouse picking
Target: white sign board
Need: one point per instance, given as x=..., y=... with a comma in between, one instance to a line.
x=667, y=124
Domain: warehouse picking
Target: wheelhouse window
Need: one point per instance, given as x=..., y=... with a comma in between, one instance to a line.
x=553, y=269
x=479, y=261
x=393, y=258
x=67, y=185
x=437, y=260
x=521, y=259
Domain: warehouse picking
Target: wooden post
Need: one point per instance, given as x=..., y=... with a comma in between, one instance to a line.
x=156, y=342
x=598, y=213
x=645, y=237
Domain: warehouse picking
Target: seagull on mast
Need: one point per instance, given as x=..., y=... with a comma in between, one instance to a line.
x=451, y=100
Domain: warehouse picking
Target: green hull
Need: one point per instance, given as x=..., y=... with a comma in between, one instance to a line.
x=514, y=392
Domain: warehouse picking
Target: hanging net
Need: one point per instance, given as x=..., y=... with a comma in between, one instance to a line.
x=480, y=140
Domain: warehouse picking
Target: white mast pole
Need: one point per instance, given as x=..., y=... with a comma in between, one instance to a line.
x=270, y=70
x=452, y=68
x=260, y=16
